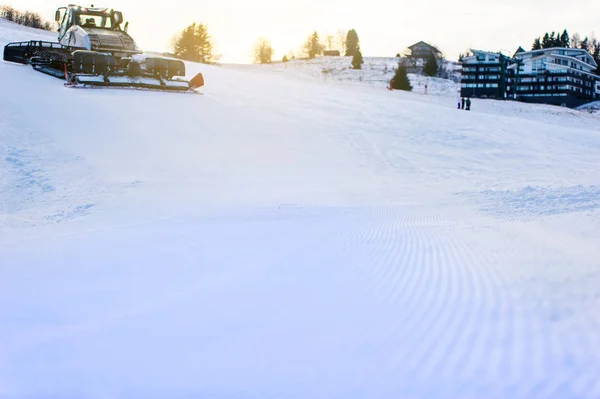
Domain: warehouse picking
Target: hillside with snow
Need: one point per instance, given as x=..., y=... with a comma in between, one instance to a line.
x=291, y=233
x=376, y=72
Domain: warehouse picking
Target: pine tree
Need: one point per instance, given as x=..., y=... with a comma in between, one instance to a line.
x=285, y=59
x=596, y=55
x=357, y=60
x=184, y=46
x=194, y=44
x=565, y=41
x=546, y=41
x=400, y=80
x=431, y=67
x=313, y=46
x=203, y=44
x=352, y=43
x=584, y=45
x=552, y=41
x=537, y=44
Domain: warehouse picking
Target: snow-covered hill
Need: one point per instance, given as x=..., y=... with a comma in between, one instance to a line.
x=285, y=236
x=376, y=71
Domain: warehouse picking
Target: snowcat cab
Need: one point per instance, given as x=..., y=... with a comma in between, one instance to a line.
x=94, y=50
x=96, y=29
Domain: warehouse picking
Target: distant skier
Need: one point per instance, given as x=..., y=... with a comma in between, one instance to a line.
x=468, y=104
x=458, y=104
x=463, y=103
x=391, y=85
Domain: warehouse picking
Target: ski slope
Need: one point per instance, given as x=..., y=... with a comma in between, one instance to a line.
x=282, y=236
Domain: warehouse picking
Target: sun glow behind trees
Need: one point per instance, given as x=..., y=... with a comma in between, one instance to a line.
x=385, y=28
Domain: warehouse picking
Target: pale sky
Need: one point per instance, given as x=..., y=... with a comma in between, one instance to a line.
x=384, y=27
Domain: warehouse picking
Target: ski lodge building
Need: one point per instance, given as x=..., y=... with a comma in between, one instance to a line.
x=422, y=50
x=559, y=76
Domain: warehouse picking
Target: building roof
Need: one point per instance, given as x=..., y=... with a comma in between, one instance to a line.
x=475, y=51
x=574, y=52
x=519, y=50
x=428, y=45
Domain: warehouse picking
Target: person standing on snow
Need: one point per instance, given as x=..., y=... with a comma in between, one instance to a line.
x=468, y=104
x=463, y=103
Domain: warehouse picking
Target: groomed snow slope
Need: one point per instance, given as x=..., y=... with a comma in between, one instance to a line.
x=284, y=237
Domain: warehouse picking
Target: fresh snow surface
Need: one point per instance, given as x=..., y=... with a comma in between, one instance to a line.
x=282, y=236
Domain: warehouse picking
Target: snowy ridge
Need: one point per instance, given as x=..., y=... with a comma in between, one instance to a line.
x=12, y=32
x=290, y=236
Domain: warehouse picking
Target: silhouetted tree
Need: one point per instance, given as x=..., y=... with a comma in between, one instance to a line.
x=194, y=44
x=400, y=80
x=357, y=60
x=584, y=45
x=263, y=51
x=285, y=59
x=595, y=51
x=27, y=18
x=565, y=41
x=431, y=67
x=352, y=43
x=555, y=39
x=313, y=46
x=546, y=41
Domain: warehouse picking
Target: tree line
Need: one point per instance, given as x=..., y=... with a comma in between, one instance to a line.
x=263, y=50
x=553, y=39
x=195, y=44
x=33, y=20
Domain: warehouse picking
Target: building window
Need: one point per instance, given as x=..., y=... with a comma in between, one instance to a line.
x=538, y=65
